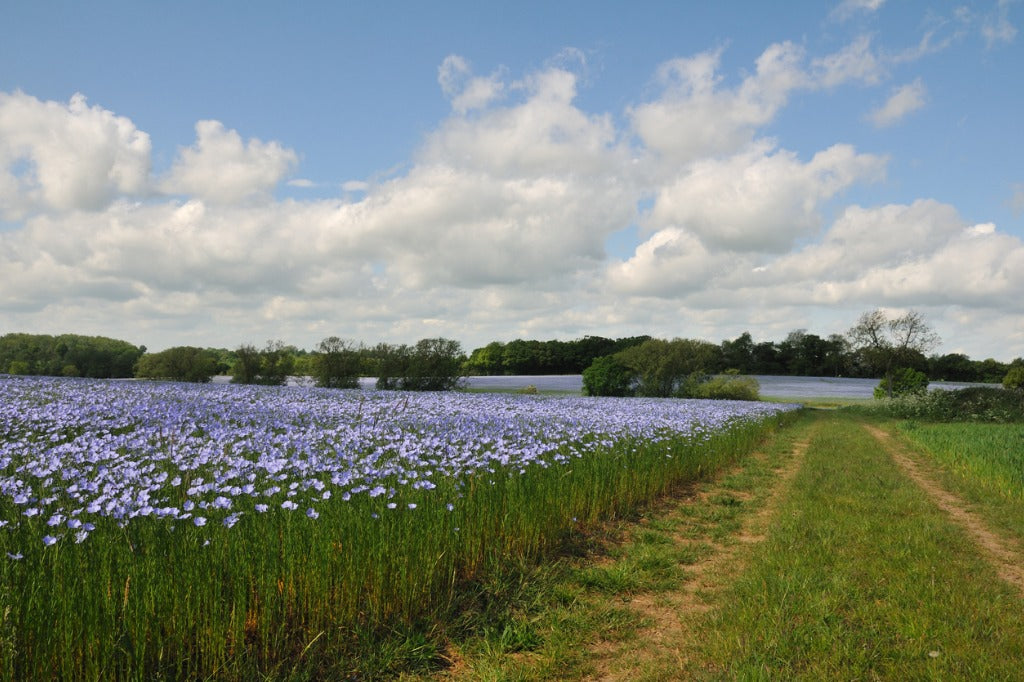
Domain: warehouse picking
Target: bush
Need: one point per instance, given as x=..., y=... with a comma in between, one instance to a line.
x=905, y=381
x=728, y=387
x=181, y=363
x=1013, y=381
x=270, y=366
x=974, y=404
x=430, y=365
x=606, y=376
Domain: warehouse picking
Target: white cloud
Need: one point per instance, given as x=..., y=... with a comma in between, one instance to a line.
x=670, y=263
x=467, y=92
x=996, y=28
x=760, y=200
x=848, y=8
x=63, y=157
x=693, y=117
x=220, y=168
x=855, y=62
x=497, y=225
x=545, y=134
x=903, y=100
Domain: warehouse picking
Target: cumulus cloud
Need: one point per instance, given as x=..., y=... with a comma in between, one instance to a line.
x=672, y=262
x=497, y=226
x=761, y=199
x=221, y=168
x=903, y=100
x=467, y=92
x=694, y=117
x=65, y=157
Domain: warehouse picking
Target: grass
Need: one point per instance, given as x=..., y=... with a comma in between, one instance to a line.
x=983, y=463
x=577, y=605
x=860, y=576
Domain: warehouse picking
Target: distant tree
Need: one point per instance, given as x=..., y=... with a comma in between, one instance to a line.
x=889, y=343
x=608, y=377
x=990, y=371
x=739, y=354
x=276, y=363
x=952, y=367
x=180, y=363
x=246, y=368
x=389, y=364
x=486, y=361
x=270, y=366
x=663, y=368
x=1014, y=379
x=337, y=363
x=433, y=365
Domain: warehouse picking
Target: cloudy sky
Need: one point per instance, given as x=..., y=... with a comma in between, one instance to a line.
x=221, y=173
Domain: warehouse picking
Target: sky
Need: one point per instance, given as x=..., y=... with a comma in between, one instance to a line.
x=214, y=174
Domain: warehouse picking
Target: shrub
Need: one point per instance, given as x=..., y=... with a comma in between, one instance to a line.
x=1013, y=381
x=607, y=376
x=728, y=387
x=974, y=404
x=902, y=382
x=181, y=363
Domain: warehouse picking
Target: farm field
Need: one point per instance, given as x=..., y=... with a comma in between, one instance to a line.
x=169, y=531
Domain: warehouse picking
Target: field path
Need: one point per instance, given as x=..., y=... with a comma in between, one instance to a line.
x=1004, y=554
x=670, y=615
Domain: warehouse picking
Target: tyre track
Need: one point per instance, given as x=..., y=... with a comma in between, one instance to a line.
x=1005, y=555
x=670, y=615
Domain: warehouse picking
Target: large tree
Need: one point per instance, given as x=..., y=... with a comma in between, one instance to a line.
x=337, y=363
x=887, y=343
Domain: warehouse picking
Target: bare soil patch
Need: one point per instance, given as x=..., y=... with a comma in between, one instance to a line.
x=1005, y=555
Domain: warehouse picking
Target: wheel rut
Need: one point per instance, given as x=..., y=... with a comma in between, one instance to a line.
x=1005, y=555
x=671, y=615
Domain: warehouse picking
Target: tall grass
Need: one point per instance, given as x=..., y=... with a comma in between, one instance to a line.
x=291, y=593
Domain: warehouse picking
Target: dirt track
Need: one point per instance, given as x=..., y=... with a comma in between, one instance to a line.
x=1006, y=556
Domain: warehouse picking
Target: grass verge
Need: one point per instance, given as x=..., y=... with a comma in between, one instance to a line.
x=982, y=463
x=594, y=612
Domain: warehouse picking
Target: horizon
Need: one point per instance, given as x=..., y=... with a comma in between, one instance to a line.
x=229, y=174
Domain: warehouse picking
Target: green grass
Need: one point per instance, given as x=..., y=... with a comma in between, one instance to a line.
x=984, y=463
x=578, y=600
x=862, y=577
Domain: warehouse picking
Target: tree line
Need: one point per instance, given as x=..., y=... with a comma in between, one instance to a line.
x=439, y=364
x=800, y=353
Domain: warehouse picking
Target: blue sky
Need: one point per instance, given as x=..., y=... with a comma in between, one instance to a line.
x=220, y=173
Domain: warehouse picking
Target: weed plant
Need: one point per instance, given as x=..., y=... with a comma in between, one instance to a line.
x=974, y=404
